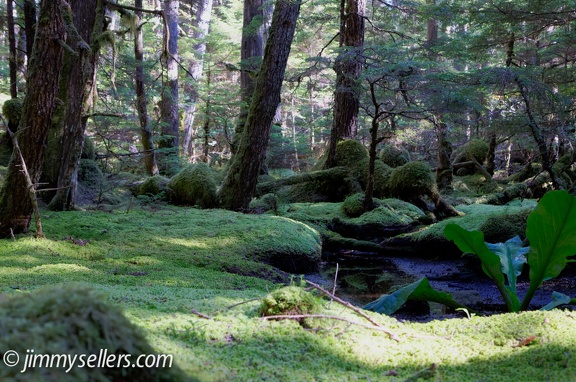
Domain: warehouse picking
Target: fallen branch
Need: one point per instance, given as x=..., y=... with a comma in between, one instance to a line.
x=201, y=315
x=355, y=309
x=301, y=316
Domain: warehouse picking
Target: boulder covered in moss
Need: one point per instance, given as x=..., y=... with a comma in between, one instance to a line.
x=477, y=149
x=74, y=320
x=353, y=206
x=153, y=185
x=394, y=156
x=265, y=203
x=411, y=181
x=193, y=186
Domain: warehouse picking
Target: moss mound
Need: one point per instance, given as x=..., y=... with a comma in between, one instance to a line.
x=265, y=203
x=349, y=153
x=290, y=300
x=12, y=110
x=411, y=180
x=153, y=185
x=194, y=186
x=499, y=228
x=353, y=205
x=74, y=320
x=394, y=156
x=478, y=149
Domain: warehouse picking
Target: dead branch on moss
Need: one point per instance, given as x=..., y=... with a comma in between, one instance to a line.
x=301, y=316
x=355, y=309
x=332, y=174
x=201, y=315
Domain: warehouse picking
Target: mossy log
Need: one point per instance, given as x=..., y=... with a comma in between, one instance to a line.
x=335, y=174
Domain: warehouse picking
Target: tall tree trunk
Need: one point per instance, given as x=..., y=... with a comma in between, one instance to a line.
x=12, y=46
x=29, y=25
x=80, y=80
x=348, y=68
x=169, y=109
x=200, y=26
x=42, y=87
x=240, y=183
x=141, y=101
x=251, y=52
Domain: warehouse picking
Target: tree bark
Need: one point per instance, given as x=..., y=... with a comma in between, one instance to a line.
x=12, y=47
x=146, y=134
x=29, y=25
x=240, y=183
x=200, y=26
x=79, y=81
x=42, y=88
x=169, y=109
x=348, y=68
x=252, y=49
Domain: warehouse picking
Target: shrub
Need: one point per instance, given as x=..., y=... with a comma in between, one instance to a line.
x=89, y=150
x=12, y=110
x=89, y=172
x=478, y=148
x=412, y=180
x=194, y=185
x=153, y=185
x=394, y=156
x=74, y=320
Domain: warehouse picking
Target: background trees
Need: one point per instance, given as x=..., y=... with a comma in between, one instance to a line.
x=443, y=72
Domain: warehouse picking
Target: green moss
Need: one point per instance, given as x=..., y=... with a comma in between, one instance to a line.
x=153, y=185
x=73, y=320
x=89, y=173
x=290, y=300
x=89, y=150
x=267, y=202
x=411, y=180
x=382, y=174
x=501, y=227
x=12, y=111
x=349, y=153
x=353, y=205
x=478, y=148
x=194, y=185
x=394, y=156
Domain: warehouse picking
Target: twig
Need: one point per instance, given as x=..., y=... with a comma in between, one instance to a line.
x=357, y=310
x=12, y=234
x=335, y=280
x=301, y=316
x=201, y=315
x=243, y=302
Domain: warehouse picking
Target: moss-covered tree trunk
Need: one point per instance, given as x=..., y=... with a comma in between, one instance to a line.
x=252, y=49
x=141, y=100
x=348, y=68
x=444, y=171
x=41, y=92
x=169, y=107
x=240, y=183
x=78, y=83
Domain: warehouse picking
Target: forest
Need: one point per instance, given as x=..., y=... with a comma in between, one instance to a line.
x=287, y=190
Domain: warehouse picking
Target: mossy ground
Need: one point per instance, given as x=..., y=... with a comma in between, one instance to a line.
x=159, y=266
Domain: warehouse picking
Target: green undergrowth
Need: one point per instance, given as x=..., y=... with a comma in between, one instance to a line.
x=163, y=267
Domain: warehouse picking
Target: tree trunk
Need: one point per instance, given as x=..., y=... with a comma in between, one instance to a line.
x=79, y=79
x=42, y=88
x=240, y=183
x=29, y=25
x=141, y=102
x=169, y=109
x=12, y=46
x=444, y=171
x=200, y=26
x=251, y=52
x=348, y=68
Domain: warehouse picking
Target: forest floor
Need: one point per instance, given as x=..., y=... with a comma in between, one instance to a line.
x=186, y=278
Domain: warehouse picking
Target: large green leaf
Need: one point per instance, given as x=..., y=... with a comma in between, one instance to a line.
x=512, y=258
x=473, y=242
x=551, y=230
x=557, y=300
x=420, y=290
